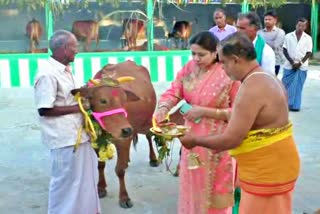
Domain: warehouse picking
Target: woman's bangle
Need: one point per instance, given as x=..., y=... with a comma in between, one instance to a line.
x=218, y=112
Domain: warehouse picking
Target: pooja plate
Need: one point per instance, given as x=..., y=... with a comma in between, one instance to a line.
x=170, y=130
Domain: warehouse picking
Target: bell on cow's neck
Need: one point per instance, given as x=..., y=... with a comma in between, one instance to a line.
x=193, y=160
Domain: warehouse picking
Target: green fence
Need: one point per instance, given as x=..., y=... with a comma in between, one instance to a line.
x=19, y=70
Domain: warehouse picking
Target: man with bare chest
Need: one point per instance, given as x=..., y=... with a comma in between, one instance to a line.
x=259, y=133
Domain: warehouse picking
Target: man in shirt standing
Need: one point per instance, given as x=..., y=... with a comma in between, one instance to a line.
x=74, y=172
x=273, y=36
x=297, y=49
x=249, y=23
x=222, y=29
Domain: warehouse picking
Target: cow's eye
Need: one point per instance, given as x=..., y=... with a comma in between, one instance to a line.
x=103, y=101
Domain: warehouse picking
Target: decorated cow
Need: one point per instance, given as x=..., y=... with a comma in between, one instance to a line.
x=123, y=110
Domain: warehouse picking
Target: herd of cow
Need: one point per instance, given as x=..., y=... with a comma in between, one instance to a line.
x=138, y=99
x=133, y=30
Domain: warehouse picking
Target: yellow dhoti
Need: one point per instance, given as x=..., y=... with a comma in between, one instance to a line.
x=268, y=165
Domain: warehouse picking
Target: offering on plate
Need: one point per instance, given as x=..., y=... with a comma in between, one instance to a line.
x=169, y=130
x=164, y=133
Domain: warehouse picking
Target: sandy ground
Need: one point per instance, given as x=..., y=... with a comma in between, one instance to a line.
x=24, y=161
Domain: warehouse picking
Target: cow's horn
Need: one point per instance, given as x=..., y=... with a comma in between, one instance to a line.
x=125, y=79
x=93, y=82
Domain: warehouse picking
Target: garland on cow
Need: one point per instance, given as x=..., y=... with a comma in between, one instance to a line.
x=100, y=139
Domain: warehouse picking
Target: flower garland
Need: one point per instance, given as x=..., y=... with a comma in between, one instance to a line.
x=100, y=139
x=103, y=142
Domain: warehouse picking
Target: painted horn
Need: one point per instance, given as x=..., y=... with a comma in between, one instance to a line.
x=93, y=82
x=125, y=79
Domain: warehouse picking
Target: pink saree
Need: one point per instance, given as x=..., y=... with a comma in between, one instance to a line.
x=208, y=189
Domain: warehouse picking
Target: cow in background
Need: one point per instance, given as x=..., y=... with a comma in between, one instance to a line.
x=144, y=47
x=34, y=32
x=86, y=31
x=181, y=33
x=133, y=30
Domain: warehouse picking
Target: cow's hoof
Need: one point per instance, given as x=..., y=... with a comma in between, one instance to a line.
x=126, y=203
x=154, y=163
x=102, y=193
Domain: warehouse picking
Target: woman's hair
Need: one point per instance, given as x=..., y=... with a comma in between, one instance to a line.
x=240, y=45
x=206, y=40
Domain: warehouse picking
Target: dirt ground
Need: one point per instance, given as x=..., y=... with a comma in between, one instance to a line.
x=24, y=161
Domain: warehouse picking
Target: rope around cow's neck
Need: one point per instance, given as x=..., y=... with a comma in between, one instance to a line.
x=88, y=125
x=105, y=152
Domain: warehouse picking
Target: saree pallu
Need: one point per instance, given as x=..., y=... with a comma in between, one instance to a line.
x=268, y=165
x=294, y=81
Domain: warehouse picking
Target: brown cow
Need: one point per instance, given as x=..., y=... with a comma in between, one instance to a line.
x=138, y=98
x=133, y=30
x=180, y=33
x=86, y=31
x=34, y=33
x=144, y=47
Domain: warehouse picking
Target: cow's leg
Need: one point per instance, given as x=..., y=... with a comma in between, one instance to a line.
x=32, y=45
x=134, y=42
x=153, y=161
x=87, y=44
x=123, y=150
x=129, y=43
x=177, y=172
x=185, y=43
x=102, y=184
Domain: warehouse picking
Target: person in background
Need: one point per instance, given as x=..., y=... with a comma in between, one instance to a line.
x=259, y=134
x=249, y=23
x=221, y=30
x=74, y=172
x=203, y=84
x=274, y=37
x=297, y=49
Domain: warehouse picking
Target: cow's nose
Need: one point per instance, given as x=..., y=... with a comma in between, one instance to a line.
x=126, y=132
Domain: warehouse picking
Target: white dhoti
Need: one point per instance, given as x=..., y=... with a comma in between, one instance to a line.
x=74, y=178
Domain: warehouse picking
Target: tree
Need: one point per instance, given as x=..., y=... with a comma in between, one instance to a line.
x=56, y=6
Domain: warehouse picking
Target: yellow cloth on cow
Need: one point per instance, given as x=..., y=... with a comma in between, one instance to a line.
x=268, y=161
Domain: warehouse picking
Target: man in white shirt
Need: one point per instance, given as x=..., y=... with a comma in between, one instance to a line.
x=273, y=36
x=74, y=172
x=249, y=23
x=297, y=49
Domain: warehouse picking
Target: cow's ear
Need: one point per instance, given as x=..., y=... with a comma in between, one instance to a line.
x=84, y=92
x=131, y=97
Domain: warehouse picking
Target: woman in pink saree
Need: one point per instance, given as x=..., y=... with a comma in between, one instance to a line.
x=203, y=83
